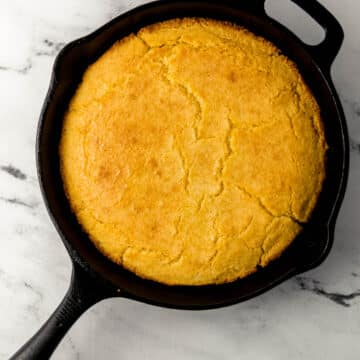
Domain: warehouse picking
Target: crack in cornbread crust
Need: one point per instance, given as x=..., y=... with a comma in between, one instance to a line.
x=192, y=152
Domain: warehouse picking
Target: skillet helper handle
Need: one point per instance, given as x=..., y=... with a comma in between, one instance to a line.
x=326, y=51
x=82, y=294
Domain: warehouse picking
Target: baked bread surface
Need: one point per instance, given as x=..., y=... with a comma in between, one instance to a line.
x=192, y=152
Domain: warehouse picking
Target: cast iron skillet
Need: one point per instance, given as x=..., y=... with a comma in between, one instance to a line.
x=94, y=277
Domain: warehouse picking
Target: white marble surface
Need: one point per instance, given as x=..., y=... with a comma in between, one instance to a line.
x=316, y=316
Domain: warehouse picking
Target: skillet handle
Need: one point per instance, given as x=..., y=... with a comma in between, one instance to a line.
x=82, y=294
x=325, y=52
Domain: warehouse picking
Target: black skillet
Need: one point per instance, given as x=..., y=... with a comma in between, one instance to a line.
x=94, y=277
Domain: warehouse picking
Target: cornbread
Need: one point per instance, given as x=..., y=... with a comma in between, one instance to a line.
x=192, y=152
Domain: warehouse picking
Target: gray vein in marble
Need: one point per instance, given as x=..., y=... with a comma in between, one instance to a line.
x=356, y=108
x=353, y=113
x=21, y=229
x=353, y=104
x=35, y=306
x=16, y=201
x=13, y=171
x=313, y=286
x=30, y=287
x=73, y=347
x=354, y=146
x=52, y=48
x=22, y=71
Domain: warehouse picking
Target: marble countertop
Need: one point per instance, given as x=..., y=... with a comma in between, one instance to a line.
x=313, y=316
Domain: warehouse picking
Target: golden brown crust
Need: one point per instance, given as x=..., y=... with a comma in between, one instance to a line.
x=192, y=151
